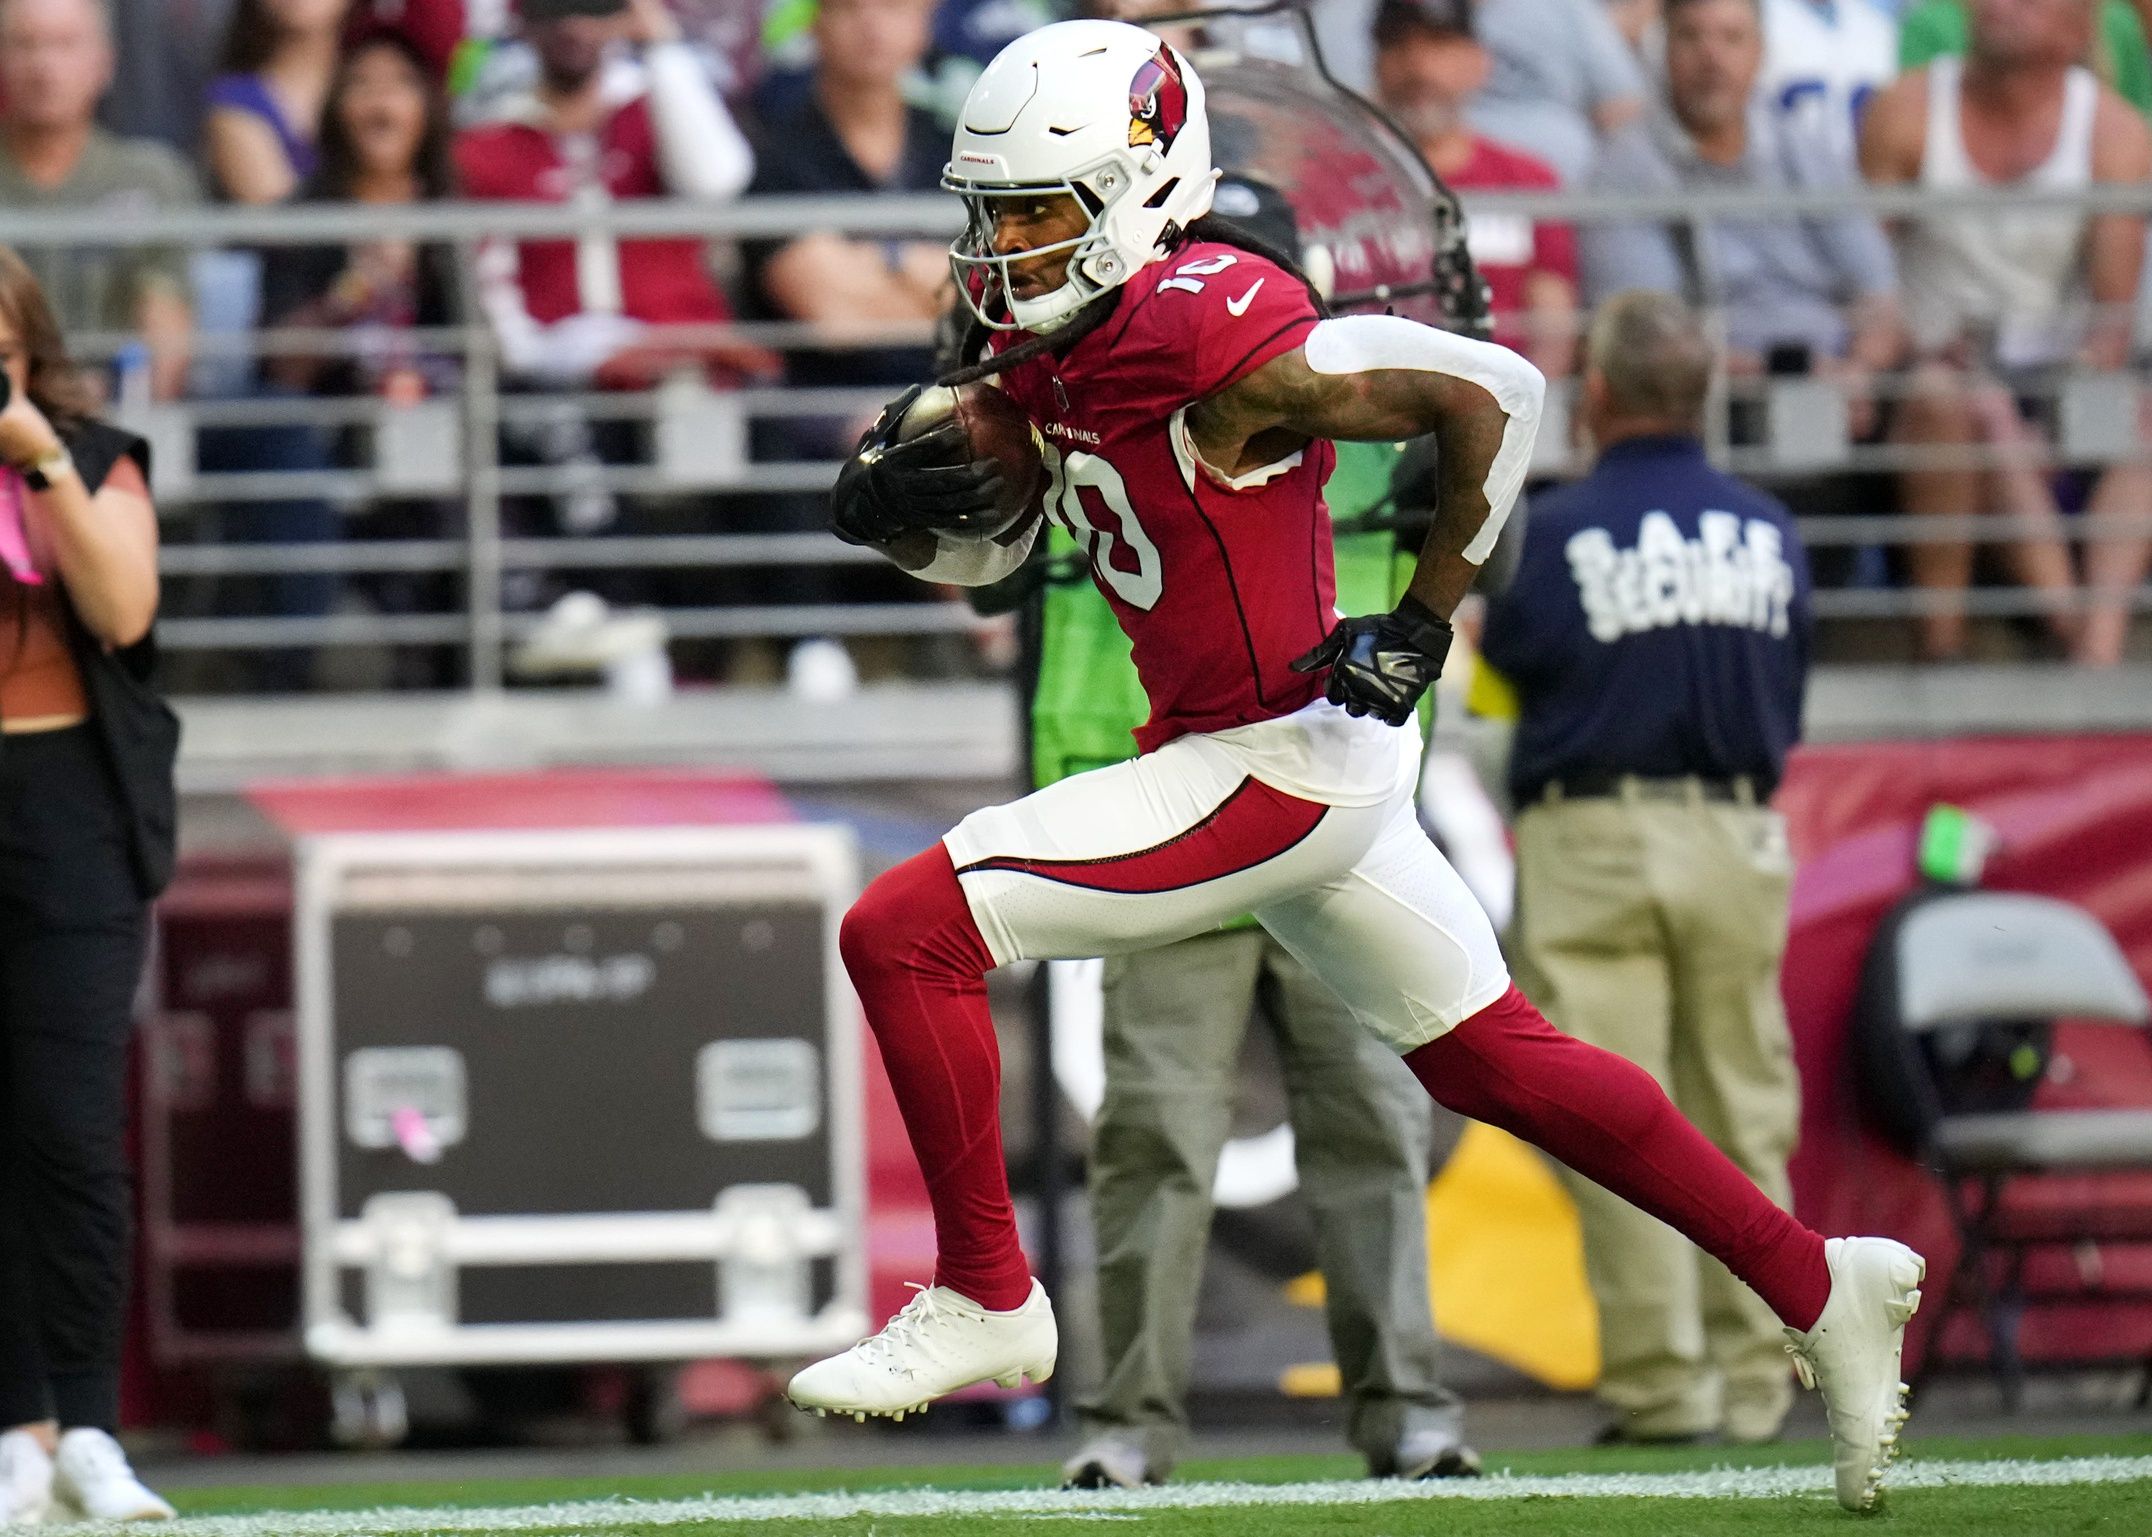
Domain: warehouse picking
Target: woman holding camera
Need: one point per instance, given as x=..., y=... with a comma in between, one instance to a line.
x=86, y=818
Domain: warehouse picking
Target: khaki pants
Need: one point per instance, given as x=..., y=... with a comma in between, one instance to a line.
x=1175, y=1018
x=1653, y=925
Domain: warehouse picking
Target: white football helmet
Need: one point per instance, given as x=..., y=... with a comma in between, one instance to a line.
x=1103, y=111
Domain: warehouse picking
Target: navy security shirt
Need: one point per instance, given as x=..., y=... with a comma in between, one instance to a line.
x=1658, y=624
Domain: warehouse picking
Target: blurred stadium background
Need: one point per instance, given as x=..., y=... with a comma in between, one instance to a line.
x=443, y=614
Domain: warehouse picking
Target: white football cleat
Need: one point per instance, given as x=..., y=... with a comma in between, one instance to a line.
x=91, y=1476
x=942, y=1341
x=1852, y=1357
x=25, y=1479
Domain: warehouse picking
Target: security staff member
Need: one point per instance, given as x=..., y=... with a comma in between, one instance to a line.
x=1657, y=634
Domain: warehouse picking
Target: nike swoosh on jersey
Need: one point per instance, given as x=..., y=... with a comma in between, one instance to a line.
x=1239, y=307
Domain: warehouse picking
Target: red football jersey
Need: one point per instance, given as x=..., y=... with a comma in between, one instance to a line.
x=663, y=280
x=1219, y=585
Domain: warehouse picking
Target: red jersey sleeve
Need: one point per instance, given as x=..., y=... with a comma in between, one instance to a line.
x=1236, y=309
x=479, y=154
x=1554, y=249
x=1554, y=244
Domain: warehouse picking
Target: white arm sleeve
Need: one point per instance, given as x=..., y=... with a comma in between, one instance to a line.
x=1358, y=344
x=701, y=151
x=976, y=562
x=569, y=350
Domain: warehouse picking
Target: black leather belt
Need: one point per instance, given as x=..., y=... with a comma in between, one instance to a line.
x=1740, y=790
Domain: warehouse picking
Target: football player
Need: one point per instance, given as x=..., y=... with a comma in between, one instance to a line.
x=1187, y=386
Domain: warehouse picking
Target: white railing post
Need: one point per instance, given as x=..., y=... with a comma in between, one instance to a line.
x=487, y=628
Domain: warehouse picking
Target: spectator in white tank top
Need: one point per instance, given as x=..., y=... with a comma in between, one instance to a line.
x=2001, y=302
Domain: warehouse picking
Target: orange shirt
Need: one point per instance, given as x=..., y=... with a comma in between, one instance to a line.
x=38, y=676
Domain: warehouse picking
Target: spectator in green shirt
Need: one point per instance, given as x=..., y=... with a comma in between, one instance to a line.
x=2119, y=52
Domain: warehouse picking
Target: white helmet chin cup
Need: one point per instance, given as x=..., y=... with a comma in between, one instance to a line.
x=1102, y=111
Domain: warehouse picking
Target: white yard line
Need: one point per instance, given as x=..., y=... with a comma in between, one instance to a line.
x=599, y=1516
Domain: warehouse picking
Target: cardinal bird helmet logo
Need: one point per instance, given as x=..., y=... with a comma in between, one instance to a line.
x=1157, y=101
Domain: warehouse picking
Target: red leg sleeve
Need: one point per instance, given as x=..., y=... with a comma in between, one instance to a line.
x=1607, y=1119
x=919, y=965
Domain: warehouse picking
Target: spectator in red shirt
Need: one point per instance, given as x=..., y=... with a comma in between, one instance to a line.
x=571, y=311
x=1428, y=67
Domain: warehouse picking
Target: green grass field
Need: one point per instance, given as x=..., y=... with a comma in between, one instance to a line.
x=2023, y=1487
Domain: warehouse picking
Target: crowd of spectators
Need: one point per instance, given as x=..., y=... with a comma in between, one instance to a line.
x=1957, y=345
x=1950, y=339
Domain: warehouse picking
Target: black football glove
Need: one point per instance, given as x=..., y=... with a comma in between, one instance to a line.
x=1383, y=663
x=888, y=489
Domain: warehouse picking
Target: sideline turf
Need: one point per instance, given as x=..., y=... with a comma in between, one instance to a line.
x=240, y=1499
x=2121, y=1510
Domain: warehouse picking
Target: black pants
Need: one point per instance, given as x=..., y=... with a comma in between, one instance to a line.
x=72, y=928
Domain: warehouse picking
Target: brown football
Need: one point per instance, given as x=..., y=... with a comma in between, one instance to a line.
x=994, y=427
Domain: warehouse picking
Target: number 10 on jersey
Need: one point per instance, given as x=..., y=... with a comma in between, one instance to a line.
x=1087, y=496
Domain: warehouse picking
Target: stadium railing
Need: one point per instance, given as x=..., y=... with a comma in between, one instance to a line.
x=448, y=450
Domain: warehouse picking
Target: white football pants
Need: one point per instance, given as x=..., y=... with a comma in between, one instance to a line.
x=1211, y=827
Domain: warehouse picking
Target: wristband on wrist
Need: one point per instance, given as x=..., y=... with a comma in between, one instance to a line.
x=1414, y=612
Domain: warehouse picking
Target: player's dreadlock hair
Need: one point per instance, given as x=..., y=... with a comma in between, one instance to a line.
x=970, y=338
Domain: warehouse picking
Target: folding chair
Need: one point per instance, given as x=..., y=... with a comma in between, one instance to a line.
x=1959, y=996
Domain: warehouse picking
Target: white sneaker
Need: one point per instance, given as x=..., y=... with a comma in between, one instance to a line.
x=1109, y=1462
x=91, y=1475
x=1426, y=1454
x=582, y=634
x=25, y=1479
x=1852, y=1357
x=820, y=671
x=942, y=1341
